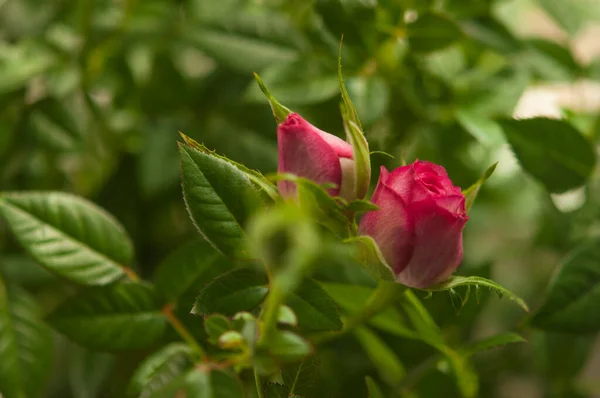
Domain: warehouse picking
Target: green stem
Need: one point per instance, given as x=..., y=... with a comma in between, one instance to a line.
x=182, y=331
x=270, y=311
x=258, y=384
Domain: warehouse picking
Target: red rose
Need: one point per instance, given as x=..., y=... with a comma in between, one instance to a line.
x=419, y=224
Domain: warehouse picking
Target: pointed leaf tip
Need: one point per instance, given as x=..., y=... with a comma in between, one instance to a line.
x=280, y=112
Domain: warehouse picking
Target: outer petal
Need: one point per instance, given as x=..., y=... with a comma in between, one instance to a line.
x=304, y=152
x=390, y=226
x=438, y=247
x=341, y=147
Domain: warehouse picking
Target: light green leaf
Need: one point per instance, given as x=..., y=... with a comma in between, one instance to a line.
x=25, y=345
x=294, y=92
x=372, y=259
x=457, y=281
x=371, y=97
x=238, y=290
x=215, y=325
x=316, y=311
x=114, y=317
x=287, y=346
x=493, y=342
x=219, y=198
x=388, y=365
x=482, y=128
x=572, y=302
x=552, y=151
x=160, y=368
x=471, y=192
x=213, y=384
x=188, y=269
x=572, y=15
x=69, y=235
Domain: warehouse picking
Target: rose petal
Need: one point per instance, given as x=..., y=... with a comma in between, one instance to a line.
x=304, y=152
x=437, y=243
x=390, y=227
x=341, y=147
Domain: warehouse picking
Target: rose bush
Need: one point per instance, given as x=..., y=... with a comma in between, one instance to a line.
x=419, y=224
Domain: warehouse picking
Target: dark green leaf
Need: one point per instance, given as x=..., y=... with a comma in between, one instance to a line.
x=25, y=345
x=118, y=316
x=220, y=198
x=316, y=311
x=287, y=346
x=301, y=377
x=551, y=150
x=238, y=290
x=572, y=301
x=493, y=342
x=373, y=388
x=215, y=325
x=54, y=125
x=69, y=235
x=383, y=357
x=274, y=390
x=89, y=372
x=189, y=268
x=431, y=32
x=160, y=368
x=213, y=384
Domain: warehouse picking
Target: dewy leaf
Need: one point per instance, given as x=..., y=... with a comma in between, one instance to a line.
x=431, y=32
x=69, y=235
x=456, y=281
x=552, y=151
x=219, y=198
x=372, y=259
x=280, y=112
x=382, y=356
x=572, y=303
x=471, y=192
x=238, y=290
x=189, y=268
x=300, y=378
x=25, y=344
x=493, y=342
x=160, y=368
x=356, y=138
x=316, y=311
x=114, y=317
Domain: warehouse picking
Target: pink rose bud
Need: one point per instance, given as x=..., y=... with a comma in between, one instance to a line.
x=419, y=224
x=308, y=152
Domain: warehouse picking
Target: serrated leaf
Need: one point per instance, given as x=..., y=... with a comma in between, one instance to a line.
x=471, y=192
x=316, y=311
x=493, y=342
x=456, y=281
x=372, y=259
x=571, y=303
x=69, y=235
x=552, y=151
x=431, y=32
x=238, y=290
x=387, y=363
x=301, y=377
x=25, y=345
x=219, y=198
x=160, y=368
x=189, y=268
x=114, y=317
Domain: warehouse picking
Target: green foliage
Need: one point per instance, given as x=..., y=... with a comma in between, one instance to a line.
x=313, y=307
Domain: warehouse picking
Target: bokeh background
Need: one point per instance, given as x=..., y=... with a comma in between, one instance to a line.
x=93, y=93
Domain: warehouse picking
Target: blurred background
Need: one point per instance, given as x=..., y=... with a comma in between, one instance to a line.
x=93, y=93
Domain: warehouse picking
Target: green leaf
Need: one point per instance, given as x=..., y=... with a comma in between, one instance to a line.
x=373, y=388
x=238, y=290
x=471, y=192
x=53, y=124
x=188, y=269
x=574, y=293
x=89, y=372
x=287, y=346
x=115, y=317
x=466, y=378
x=360, y=206
x=160, y=368
x=387, y=363
x=356, y=138
x=482, y=128
x=316, y=311
x=457, y=281
x=552, y=151
x=371, y=97
x=572, y=15
x=236, y=51
x=205, y=383
x=219, y=198
x=372, y=259
x=493, y=342
x=260, y=181
x=280, y=112
x=301, y=377
x=69, y=235
x=431, y=32
x=25, y=345
x=215, y=325
x=20, y=63
x=274, y=390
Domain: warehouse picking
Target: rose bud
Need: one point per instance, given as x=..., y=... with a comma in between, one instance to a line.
x=308, y=152
x=419, y=224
